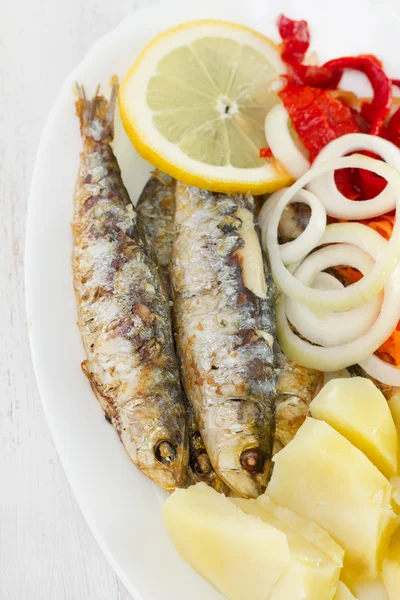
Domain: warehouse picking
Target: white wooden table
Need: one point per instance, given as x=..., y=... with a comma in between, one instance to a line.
x=46, y=549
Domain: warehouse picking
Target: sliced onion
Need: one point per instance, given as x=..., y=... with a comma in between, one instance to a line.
x=309, y=238
x=268, y=208
x=333, y=328
x=386, y=261
x=381, y=370
x=336, y=204
x=336, y=358
x=282, y=144
x=325, y=281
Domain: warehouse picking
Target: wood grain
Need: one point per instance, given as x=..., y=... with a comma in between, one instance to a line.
x=46, y=549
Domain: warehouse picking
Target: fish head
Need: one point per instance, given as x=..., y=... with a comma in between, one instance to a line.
x=242, y=440
x=154, y=441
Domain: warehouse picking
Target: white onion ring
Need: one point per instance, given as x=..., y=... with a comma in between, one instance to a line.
x=336, y=358
x=386, y=262
x=333, y=328
x=381, y=370
x=281, y=142
x=309, y=238
x=268, y=208
x=325, y=281
x=336, y=204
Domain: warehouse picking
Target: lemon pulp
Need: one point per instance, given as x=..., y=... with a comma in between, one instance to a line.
x=195, y=103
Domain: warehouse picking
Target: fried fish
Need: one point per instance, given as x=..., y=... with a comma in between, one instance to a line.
x=123, y=309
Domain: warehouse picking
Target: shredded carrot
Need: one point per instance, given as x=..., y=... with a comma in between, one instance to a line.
x=391, y=348
x=383, y=225
x=349, y=274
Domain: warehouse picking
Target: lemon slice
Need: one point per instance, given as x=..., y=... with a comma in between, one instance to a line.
x=195, y=101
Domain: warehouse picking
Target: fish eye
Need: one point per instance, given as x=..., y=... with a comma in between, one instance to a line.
x=201, y=464
x=253, y=460
x=165, y=452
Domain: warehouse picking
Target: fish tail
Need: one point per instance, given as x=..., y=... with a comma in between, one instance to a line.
x=97, y=115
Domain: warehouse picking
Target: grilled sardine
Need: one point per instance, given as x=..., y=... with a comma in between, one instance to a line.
x=225, y=332
x=297, y=387
x=156, y=207
x=123, y=309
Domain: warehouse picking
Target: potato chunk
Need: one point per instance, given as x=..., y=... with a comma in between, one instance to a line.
x=359, y=411
x=242, y=556
x=394, y=406
x=372, y=590
x=315, y=559
x=343, y=592
x=326, y=479
x=391, y=568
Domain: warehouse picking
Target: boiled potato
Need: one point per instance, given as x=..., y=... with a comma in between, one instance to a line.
x=359, y=411
x=314, y=569
x=391, y=568
x=395, y=481
x=394, y=406
x=326, y=479
x=242, y=556
x=309, y=530
x=372, y=590
x=343, y=592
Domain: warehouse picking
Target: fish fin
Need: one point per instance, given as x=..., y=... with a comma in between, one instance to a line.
x=97, y=115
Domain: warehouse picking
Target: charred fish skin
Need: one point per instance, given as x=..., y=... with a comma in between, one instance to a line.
x=297, y=387
x=123, y=310
x=156, y=207
x=200, y=467
x=225, y=333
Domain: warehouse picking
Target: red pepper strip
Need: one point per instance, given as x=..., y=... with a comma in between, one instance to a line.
x=345, y=185
x=315, y=76
x=393, y=130
x=317, y=117
x=329, y=75
x=371, y=184
x=265, y=153
x=359, y=184
x=296, y=39
x=376, y=111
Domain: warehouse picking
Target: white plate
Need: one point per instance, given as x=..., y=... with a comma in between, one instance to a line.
x=122, y=507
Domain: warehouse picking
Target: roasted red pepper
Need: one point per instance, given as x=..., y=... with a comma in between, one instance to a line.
x=265, y=153
x=317, y=117
x=393, y=129
x=329, y=74
x=295, y=39
x=374, y=112
x=347, y=182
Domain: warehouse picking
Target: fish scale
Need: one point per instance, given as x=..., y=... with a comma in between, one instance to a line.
x=230, y=378
x=156, y=207
x=123, y=309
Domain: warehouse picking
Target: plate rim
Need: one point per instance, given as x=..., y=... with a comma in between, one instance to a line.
x=45, y=134
x=160, y=7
